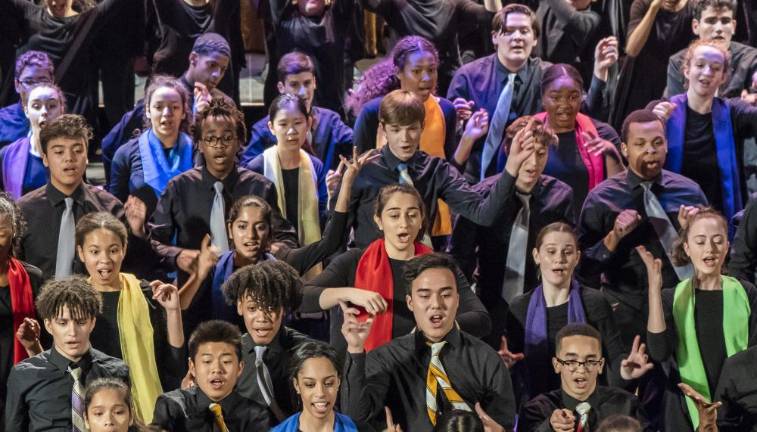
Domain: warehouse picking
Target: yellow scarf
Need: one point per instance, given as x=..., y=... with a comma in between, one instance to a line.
x=138, y=347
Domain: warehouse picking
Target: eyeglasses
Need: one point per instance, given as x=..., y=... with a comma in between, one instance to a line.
x=573, y=365
x=219, y=142
x=28, y=83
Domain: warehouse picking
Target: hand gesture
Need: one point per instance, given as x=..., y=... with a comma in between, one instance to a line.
x=353, y=167
x=202, y=97
x=354, y=331
x=597, y=146
x=625, y=222
x=373, y=302
x=390, y=426
x=664, y=110
x=750, y=98
x=521, y=149
x=562, y=420
x=464, y=108
x=654, y=269
x=477, y=125
x=188, y=381
x=28, y=334
x=684, y=213
x=508, y=358
x=186, y=260
x=708, y=411
x=333, y=177
x=208, y=257
x=167, y=295
x=605, y=56
x=136, y=215
x=637, y=363
x=489, y=424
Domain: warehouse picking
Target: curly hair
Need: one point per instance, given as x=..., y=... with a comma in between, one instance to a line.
x=82, y=300
x=71, y=126
x=381, y=78
x=270, y=284
x=34, y=58
x=10, y=210
x=167, y=81
x=220, y=108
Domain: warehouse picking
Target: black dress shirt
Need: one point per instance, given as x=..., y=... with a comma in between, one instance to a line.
x=486, y=249
x=605, y=401
x=598, y=315
x=482, y=81
x=188, y=411
x=43, y=208
x=737, y=389
x=183, y=211
x=743, y=64
x=744, y=245
x=39, y=389
x=277, y=360
x=624, y=276
x=433, y=178
x=662, y=347
x=471, y=314
x=394, y=375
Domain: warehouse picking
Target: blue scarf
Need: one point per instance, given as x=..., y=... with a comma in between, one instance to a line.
x=223, y=269
x=536, y=344
x=14, y=166
x=156, y=168
x=342, y=423
x=725, y=145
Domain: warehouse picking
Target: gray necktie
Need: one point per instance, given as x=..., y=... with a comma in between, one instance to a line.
x=64, y=259
x=264, y=382
x=218, y=220
x=515, y=268
x=497, y=124
x=664, y=228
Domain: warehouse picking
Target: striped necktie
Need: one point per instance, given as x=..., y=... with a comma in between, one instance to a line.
x=583, y=411
x=77, y=401
x=436, y=378
x=218, y=417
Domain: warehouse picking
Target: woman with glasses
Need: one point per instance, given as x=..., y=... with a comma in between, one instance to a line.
x=163, y=151
x=535, y=317
x=701, y=321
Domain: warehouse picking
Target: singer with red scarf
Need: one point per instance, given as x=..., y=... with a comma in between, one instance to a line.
x=19, y=285
x=371, y=278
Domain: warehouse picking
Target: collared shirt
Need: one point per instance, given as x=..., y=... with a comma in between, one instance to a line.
x=434, y=178
x=623, y=273
x=487, y=248
x=743, y=64
x=605, y=401
x=331, y=138
x=13, y=124
x=394, y=375
x=183, y=211
x=737, y=389
x=276, y=359
x=39, y=389
x=188, y=411
x=482, y=81
x=43, y=208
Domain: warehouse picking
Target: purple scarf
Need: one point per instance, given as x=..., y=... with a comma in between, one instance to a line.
x=536, y=344
x=14, y=166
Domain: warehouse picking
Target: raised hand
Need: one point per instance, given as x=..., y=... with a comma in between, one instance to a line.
x=489, y=424
x=684, y=213
x=355, y=331
x=390, y=425
x=373, y=302
x=637, y=363
x=186, y=260
x=333, y=177
x=625, y=222
x=562, y=420
x=477, y=126
x=28, y=334
x=202, y=97
x=508, y=358
x=167, y=295
x=708, y=411
x=664, y=110
x=464, y=108
x=207, y=258
x=606, y=54
x=136, y=215
x=654, y=269
x=353, y=167
x=597, y=145
x=521, y=149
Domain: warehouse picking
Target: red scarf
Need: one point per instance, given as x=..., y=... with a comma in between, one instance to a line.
x=22, y=303
x=595, y=165
x=374, y=273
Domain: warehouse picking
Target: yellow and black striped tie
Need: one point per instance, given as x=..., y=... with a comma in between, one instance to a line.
x=77, y=401
x=436, y=378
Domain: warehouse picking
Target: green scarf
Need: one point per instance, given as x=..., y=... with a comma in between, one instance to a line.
x=736, y=311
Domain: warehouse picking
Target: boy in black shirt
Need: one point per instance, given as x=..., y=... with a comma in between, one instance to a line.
x=215, y=365
x=46, y=392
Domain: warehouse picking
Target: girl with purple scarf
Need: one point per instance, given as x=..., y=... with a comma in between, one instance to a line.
x=22, y=166
x=536, y=316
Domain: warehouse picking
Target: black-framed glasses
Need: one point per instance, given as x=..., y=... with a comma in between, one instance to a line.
x=573, y=365
x=219, y=142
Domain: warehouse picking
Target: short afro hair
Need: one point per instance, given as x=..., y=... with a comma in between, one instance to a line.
x=82, y=300
x=270, y=284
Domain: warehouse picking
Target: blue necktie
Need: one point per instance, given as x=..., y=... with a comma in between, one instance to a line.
x=497, y=125
x=404, y=174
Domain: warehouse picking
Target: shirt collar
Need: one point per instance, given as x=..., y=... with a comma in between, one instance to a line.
x=453, y=338
x=228, y=182
x=227, y=404
x=502, y=72
x=392, y=161
x=274, y=347
x=635, y=181
x=62, y=363
x=56, y=197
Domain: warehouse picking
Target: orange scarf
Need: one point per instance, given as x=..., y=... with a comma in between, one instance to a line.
x=374, y=273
